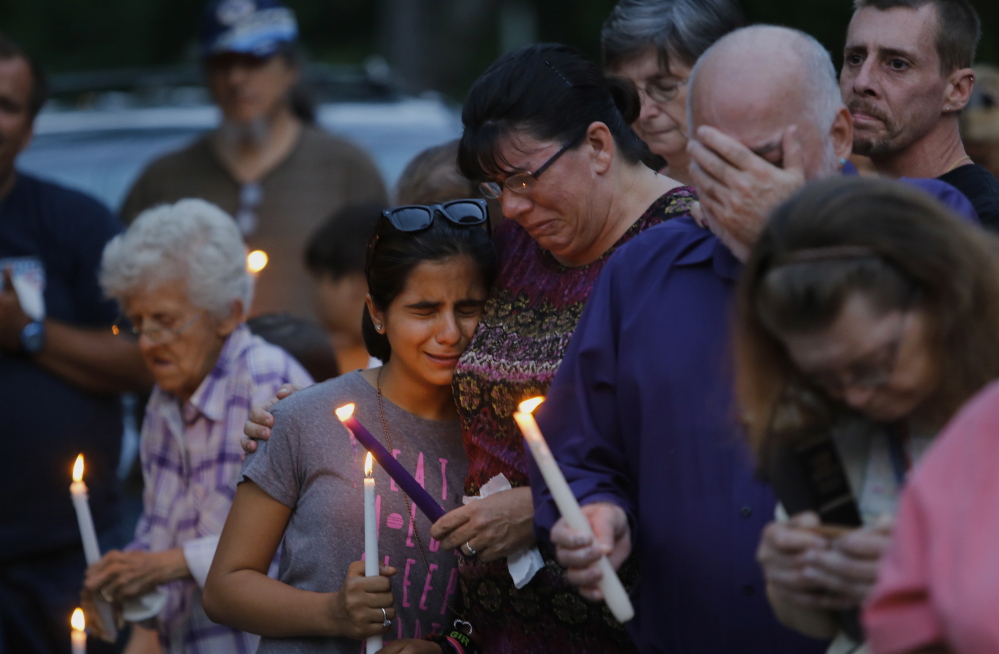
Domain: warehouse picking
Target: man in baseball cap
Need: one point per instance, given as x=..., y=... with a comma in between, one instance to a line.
x=260, y=28
x=266, y=164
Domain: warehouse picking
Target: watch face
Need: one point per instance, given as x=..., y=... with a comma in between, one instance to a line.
x=33, y=337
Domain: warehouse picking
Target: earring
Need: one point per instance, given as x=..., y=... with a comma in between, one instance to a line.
x=378, y=328
x=842, y=161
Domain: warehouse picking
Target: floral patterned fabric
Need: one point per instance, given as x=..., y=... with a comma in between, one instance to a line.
x=515, y=352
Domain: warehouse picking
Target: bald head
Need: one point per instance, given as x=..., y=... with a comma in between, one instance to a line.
x=757, y=81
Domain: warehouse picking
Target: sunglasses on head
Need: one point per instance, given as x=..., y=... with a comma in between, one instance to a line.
x=417, y=217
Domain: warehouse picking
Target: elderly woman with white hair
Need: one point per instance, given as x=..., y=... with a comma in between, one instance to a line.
x=180, y=276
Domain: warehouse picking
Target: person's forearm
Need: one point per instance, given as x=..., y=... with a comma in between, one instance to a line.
x=253, y=602
x=94, y=361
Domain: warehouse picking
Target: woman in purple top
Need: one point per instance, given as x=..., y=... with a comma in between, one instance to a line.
x=549, y=136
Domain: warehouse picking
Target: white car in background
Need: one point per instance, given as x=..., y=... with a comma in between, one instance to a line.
x=128, y=119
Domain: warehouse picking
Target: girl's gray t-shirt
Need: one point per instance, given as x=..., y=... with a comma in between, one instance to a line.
x=313, y=465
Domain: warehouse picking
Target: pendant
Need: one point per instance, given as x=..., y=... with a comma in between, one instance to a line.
x=461, y=625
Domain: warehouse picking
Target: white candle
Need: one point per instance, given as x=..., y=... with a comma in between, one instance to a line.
x=91, y=550
x=610, y=585
x=87, y=532
x=374, y=643
x=78, y=636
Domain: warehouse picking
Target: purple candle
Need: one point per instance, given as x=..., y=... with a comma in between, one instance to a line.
x=409, y=486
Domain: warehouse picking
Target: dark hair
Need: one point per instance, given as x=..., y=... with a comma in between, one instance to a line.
x=393, y=255
x=302, y=338
x=958, y=28
x=338, y=247
x=553, y=93
x=39, y=81
x=680, y=29
x=898, y=247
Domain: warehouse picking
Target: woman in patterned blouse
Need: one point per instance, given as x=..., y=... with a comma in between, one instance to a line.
x=548, y=135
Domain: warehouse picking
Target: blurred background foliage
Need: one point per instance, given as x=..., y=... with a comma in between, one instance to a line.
x=436, y=44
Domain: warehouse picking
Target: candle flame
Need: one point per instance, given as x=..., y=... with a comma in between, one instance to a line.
x=256, y=261
x=115, y=330
x=78, y=469
x=528, y=406
x=368, y=465
x=344, y=412
x=77, y=621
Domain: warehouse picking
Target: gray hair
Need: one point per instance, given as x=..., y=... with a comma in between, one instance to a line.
x=821, y=93
x=675, y=28
x=191, y=240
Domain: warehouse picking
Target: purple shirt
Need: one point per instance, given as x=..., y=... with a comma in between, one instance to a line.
x=191, y=461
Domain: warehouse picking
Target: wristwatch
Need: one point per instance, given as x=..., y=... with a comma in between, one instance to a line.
x=33, y=337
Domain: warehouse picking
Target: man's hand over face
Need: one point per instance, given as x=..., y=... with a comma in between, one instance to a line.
x=738, y=188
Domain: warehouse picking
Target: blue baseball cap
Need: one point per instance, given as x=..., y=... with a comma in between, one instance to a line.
x=256, y=27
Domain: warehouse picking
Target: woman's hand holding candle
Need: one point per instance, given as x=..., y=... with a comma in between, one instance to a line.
x=120, y=576
x=496, y=526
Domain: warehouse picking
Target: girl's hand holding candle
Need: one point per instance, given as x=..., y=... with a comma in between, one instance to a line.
x=610, y=585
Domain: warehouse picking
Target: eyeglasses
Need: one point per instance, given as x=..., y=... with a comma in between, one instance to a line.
x=417, y=217
x=158, y=335
x=524, y=182
x=661, y=90
x=865, y=376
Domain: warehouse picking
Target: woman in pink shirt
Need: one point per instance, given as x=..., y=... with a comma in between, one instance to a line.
x=938, y=588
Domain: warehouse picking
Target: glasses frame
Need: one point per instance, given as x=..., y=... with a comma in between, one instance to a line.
x=873, y=380
x=521, y=183
x=155, y=335
x=653, y=91
x=442, y=209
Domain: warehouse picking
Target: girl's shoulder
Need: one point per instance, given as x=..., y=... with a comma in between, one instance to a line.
x=347, y=388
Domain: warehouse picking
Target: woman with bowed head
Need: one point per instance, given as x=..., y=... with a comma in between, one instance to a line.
x=428, y=271
x=867, y=316
x=654, y=44
x=179, y=274
x=548, y=135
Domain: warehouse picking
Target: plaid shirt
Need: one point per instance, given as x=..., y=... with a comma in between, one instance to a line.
x=191, y=461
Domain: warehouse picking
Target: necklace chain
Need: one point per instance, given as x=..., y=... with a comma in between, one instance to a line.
x=412, y=515
x=958, y=163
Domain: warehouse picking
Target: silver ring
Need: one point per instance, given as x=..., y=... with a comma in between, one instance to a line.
x=385, y=621
x=471, y=552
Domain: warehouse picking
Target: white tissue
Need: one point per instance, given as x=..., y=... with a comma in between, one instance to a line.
x=523, y=565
